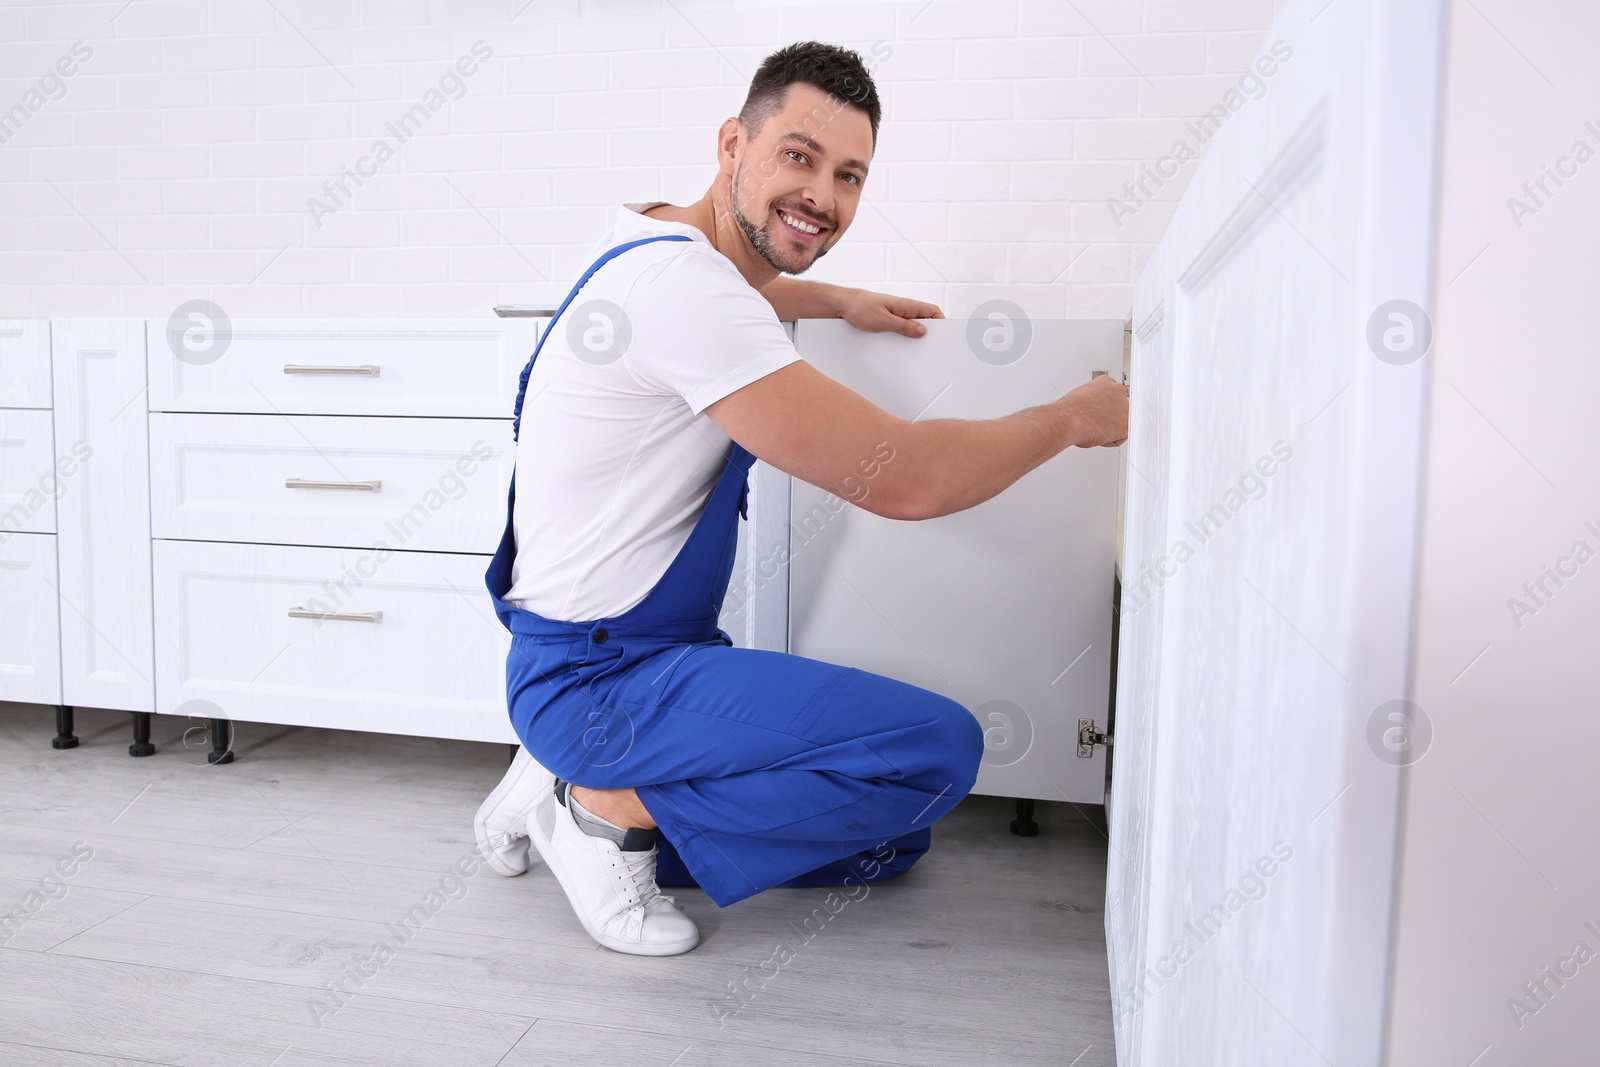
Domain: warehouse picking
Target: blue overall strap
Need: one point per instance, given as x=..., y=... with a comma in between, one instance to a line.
x=522, y=385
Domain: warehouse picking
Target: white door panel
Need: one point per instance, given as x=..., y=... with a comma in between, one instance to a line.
x=103, y=515
x=1004, y=607
x=1268, y=560
x=24, y=363
x=30, y=639
x=29, y=479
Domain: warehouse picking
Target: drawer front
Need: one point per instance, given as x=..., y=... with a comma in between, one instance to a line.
x=433, y=484
x=25, y=364
x=30, y=477
x=30, y=629
x=408, y=642
x=466, y=368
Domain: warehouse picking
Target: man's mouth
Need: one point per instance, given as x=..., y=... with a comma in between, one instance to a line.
x=803, y=229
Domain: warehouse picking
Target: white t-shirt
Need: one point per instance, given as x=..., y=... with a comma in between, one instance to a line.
x=614, y=459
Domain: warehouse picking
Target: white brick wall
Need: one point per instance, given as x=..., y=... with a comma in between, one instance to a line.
x=179, y=161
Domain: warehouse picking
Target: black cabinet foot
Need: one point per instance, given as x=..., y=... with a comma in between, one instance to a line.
x=1023, y=825
x=141, y=735
x=221, y=741
x=64, y=737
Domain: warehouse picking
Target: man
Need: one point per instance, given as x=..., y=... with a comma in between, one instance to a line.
x=654, y=752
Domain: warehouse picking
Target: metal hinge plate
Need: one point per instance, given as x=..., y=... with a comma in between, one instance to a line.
x=1090, y=736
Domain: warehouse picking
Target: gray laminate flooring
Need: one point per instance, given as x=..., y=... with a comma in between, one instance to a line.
x=209, y=910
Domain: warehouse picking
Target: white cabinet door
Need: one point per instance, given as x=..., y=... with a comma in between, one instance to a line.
x=348, y=639
x=29, y=480
x=436, y=485
x=1268, y=566
x=1004, y=607
x=24, y=364
x=103, y=517
x=30, y=638
x=463, y=368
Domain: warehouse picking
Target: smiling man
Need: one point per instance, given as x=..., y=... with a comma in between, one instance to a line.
x=654, y=753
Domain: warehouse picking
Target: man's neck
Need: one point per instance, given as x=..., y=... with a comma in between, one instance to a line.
x=712, y=215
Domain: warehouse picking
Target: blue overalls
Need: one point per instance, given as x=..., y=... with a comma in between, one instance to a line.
x=760, y=768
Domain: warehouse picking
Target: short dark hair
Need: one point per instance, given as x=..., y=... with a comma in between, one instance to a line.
x=836, y=71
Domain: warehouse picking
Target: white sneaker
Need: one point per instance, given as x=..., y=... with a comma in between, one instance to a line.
x=502, y=820
x=613, y=891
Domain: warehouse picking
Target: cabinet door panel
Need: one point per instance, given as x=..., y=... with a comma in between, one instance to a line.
x=1004, y=607
x=30, y=636
x=103, y=517
x=1268, y=572
x=29, y=480
x=24, y=363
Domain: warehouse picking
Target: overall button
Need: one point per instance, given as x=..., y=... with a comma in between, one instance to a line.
x=600, y=637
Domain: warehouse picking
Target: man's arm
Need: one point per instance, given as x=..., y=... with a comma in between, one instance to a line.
x=810, y=426
x=794, y=299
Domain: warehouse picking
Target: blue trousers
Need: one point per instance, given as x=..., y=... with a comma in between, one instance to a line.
x=760, y=768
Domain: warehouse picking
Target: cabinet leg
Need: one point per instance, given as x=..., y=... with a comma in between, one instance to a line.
x=221, y=741
x=141, y=735
x=64, y=737
x=1023, y=825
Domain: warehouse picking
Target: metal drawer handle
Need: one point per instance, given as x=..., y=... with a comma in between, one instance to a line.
x=370, y=370
x=348, y=616
x=307, y=483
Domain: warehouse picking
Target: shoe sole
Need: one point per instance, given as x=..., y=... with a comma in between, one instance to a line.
x=480, y=821
x=547, y=850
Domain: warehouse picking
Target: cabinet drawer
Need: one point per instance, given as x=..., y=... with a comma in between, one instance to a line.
x=450, y=367
x=433, y=484
x=30, y=478
x=232, y=629
x=30, y=631
x=25, y=364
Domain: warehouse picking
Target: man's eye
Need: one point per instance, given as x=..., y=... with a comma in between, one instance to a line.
x=853, y=179
x=798, y=157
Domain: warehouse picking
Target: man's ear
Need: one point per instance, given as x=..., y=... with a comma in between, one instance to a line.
x=730, y=144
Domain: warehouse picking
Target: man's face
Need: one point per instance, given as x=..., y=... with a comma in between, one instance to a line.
x=796, y=184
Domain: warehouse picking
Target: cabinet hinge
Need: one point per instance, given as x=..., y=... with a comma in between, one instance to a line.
x=1089, y=736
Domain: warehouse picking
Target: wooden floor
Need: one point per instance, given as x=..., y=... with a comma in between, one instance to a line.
x=217, y=905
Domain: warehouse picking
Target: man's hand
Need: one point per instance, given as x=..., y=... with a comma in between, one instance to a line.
x=794, y=299
x=1099, y=411
x=882, y=313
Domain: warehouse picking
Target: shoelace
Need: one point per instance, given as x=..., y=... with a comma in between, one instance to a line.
x=641, y=874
